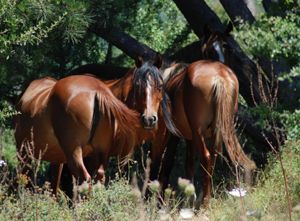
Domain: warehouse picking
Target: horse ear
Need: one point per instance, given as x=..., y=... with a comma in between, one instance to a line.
x=229, y=28
x=158, y=60
x=139, y=61
x=206, y=32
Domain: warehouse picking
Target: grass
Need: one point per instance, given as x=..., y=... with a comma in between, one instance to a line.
x=268, y=197
x=120, y=201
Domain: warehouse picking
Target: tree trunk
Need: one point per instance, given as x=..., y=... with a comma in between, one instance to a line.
x=237, y=9
x=251, y=4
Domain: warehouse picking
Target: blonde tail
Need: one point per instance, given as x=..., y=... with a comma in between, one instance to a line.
x=225, y=97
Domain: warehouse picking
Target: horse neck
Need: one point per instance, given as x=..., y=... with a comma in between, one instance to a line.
x=173, y=77
x=121, y=87
x=114, y=86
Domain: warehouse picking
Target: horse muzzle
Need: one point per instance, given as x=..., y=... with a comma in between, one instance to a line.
x=149, y=122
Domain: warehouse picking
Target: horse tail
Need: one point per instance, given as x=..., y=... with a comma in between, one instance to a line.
x=225, y=96
x=124, y=121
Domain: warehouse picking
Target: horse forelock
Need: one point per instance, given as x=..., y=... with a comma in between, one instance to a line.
x=141, y=76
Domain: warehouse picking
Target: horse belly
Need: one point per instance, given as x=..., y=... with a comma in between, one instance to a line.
x=39, y=132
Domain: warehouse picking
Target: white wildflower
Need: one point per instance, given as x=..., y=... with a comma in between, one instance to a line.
x=237, y=192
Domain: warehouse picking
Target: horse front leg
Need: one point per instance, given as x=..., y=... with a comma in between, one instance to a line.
x=160, y=152
x=168, y=161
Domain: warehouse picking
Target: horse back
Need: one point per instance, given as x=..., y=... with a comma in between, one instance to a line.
x=36, y=96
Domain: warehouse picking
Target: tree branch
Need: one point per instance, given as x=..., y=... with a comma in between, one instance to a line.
x=124, y=42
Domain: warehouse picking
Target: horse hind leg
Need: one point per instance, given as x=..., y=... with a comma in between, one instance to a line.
x=96, y=164
x=190, y=161
x=198, y=143
x=76, y=165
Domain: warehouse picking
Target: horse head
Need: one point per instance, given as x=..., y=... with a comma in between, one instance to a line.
x=214, y=44
x=148, y=91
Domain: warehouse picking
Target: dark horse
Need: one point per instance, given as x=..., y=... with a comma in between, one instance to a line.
x=142, y=90
x=69, y=119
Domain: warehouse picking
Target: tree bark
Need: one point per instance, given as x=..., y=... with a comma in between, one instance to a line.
x=237, y=9
x=198, y=14
x=103, y=71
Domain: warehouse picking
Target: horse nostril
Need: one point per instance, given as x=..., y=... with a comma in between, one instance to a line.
x=144, y=120
x=154, y=118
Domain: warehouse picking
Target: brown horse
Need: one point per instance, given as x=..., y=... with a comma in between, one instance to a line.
x=146, y=96
x=204, y=98
x=71, y=118
x=142, y=90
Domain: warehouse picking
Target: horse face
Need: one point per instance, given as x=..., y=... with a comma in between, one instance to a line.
x=214, y=48
x=214, y=44
x=148, y=94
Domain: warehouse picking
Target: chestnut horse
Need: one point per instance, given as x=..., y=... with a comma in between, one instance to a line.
x=204, y=98
x=142, y=90
x=69, y=119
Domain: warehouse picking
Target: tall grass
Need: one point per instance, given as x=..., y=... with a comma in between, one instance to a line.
x=267, y=199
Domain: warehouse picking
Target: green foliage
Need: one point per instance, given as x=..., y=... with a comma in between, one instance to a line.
x=8, y=148
x=292, y=124
x=7, y=111
x=272, y=37
x=20, y=26
x=158, y=24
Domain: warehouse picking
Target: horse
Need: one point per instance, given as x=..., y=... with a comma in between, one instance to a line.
x=141, y=89
x=204, y=97
x=66, y=120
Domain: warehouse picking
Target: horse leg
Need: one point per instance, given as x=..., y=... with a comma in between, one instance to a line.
x=190, y=160
x=55, y=176
x=66, y=181
x=102, y=165
x=198, y=143
x=159, y=150
x=168, y=161
x=76, y=165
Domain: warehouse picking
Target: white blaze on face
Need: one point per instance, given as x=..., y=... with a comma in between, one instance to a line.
x=219, y=51
x=148, y=97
